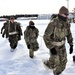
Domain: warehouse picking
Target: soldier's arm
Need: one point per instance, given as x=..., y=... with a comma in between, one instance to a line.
x=37, y=33
x=26, y=35
x=2, y=28
x=19, y=29
x=69, y=36
x=47, y=35
x=3, y=33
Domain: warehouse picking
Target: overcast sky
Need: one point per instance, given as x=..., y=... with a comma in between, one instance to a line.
x=9, y=7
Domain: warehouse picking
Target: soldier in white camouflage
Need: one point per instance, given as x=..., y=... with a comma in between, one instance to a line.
x=30, y=36
x=54, y=37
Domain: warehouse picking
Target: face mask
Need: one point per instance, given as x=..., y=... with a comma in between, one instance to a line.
x=32, y=26
x=62, y=18
x=66, y=14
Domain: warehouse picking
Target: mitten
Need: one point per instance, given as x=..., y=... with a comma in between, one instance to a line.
x=53, y=51
x=71, y=49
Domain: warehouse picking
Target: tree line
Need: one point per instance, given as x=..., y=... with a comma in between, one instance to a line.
x=19, y=15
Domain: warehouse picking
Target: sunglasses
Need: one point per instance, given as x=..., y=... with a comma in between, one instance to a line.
x=66, y=14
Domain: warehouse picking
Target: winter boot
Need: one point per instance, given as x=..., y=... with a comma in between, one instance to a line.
x=56, y=73
x=31, y=53
x=46, y=64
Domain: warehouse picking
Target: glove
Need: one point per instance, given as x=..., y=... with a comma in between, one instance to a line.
x=71, y=49
x=74, y=58
x=28, y=46
x=1, y=32
x=3, y=36
x=53, y=51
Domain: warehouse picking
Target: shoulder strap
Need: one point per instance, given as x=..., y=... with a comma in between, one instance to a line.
x=55, y=24
x=8, y=26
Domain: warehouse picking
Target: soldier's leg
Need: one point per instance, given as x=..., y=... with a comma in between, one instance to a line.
x=13, y=41
x=35, y=46
x=63, y=59
x=60, y=62
x=50, y=63
x=59, y=68
x=31, y=53
x=15, y=45
x=19, y=37
x=11, y=45
x=56, y=70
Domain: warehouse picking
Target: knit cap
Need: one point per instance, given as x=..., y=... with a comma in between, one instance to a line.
x=63, y=10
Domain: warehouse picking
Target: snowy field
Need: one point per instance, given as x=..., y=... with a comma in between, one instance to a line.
x=19, y=62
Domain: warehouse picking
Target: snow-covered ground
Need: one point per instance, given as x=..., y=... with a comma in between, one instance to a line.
x=19, y=62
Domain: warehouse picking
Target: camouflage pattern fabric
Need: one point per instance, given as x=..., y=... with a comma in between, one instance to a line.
x=30, y=36
x=57, y=31
x=13, y=38
x=5, y=31
x=58, y=62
